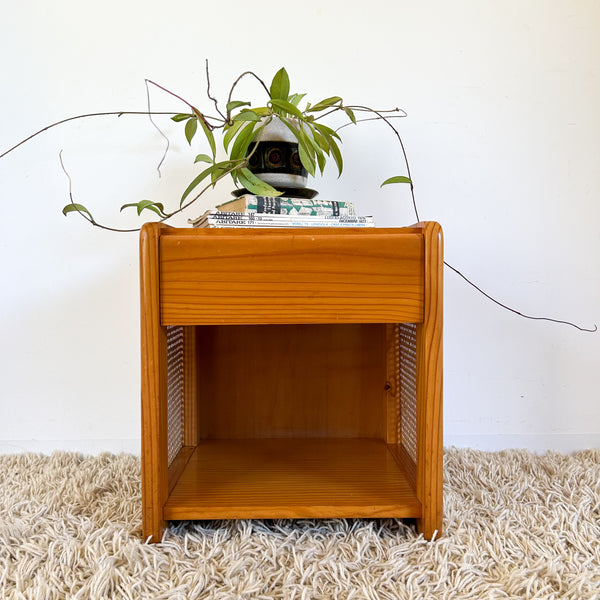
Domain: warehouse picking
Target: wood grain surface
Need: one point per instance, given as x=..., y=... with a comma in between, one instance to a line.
x=153, y=388
x=300, y=276
x=291, y=380
x=292, y=478
x=429, y=476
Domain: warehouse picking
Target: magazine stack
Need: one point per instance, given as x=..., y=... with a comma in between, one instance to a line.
x=263, y=211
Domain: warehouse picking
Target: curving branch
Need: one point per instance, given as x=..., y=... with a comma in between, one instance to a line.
x=160, y=131
x=210, y=97
x=87, y=215
x=516, y=311
x=244, y=74
x=84, y=116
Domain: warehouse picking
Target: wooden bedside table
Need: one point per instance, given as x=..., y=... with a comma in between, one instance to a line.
x=291, y=374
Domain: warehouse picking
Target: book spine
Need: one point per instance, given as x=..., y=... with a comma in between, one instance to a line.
x=287, y=224
x=295, y=206
x=299, y=207
x=279, y=218
x=231, y=219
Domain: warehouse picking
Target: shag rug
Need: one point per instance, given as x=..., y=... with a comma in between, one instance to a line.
x=517, y=525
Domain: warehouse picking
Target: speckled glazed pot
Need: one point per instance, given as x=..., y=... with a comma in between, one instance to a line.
x=276, y=160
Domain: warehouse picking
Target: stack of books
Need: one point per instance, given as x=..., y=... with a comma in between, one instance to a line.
x=263, y=211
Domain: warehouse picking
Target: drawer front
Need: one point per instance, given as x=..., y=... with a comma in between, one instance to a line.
x=304, y=277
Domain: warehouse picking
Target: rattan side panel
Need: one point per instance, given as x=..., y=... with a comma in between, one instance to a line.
x=175, y=374
x=394, y=416
x=407, y=338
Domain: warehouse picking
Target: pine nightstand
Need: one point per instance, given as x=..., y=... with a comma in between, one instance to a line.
x=291, y=374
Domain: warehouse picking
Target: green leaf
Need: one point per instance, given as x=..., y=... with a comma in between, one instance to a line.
x=295, y=99
x=327, y=131
x=220, y=168
x=397, y=179
x=337, y=155
x=306, y=159
x=181, y=117
x=310, y=137
x=280, y=86
x=262, y=111
x=350, y=114
x=292, y=128
x=321, y=160
x=325, y=135
x=75, y=208
x=216, y=174
x=247, y=115
x=195, y=182
x=203, y=158
x=320, y=139
x=242, y=141
x=306, y=152
x=255, y=185
x=230, y=133
x=128, y=206
x=327, y=103
x=190, y=130
x=307, y=148
x=208, y=133
x=236, y=104
x=156, y=207
x=287, y=108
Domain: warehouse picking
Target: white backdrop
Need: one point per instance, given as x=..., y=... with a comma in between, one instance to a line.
x=503, y=135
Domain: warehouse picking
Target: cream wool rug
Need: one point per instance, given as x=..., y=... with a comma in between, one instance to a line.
x=518, y=525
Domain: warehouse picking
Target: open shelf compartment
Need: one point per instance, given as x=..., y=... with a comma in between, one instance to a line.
x=290, y=421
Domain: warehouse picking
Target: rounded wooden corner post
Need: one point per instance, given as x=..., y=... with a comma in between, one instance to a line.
x=429, y=386
x=153, y=387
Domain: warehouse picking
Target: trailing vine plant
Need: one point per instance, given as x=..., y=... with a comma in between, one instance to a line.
x=240, y=125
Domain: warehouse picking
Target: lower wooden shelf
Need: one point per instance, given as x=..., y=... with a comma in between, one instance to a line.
x=292, y=478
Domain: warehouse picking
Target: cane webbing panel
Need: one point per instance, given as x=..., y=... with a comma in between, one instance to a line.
x=393, y=381
x=174, y=391
x=407, y=335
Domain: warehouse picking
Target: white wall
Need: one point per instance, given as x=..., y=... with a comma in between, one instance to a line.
x=503, y=136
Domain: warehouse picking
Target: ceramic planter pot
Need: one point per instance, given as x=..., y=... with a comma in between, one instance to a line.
x=277, y=162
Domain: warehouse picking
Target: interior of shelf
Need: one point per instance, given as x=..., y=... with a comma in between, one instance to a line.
x=274, y=381
x=292, y=478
